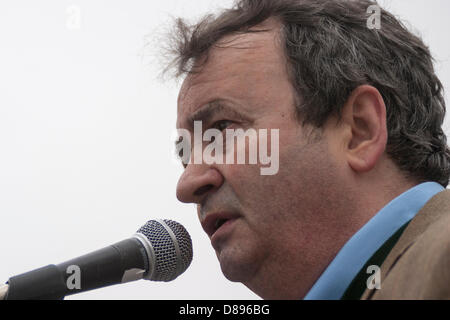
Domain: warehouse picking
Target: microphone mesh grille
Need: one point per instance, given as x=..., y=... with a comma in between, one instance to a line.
x=168, y=265
x=184, y=242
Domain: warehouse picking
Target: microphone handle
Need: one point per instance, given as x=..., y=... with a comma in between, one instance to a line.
x=121, y=262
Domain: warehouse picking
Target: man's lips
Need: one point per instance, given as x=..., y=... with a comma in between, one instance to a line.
x=214, y=221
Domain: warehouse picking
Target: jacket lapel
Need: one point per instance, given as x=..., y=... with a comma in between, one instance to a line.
x=433, y=210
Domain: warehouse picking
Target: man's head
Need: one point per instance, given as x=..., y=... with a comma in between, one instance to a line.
x=359, y=113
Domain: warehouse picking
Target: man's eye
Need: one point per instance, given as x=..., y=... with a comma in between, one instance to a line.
x=221, y=124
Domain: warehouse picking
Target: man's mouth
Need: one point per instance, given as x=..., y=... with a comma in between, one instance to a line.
x=214, y=221
x=219, y=223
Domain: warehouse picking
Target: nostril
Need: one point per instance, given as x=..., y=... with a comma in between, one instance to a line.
x=202, y=190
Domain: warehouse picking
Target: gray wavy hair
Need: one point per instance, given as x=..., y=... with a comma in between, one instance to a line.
x=330, y=51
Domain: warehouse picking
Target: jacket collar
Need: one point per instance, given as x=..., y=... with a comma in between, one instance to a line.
x=432, y=211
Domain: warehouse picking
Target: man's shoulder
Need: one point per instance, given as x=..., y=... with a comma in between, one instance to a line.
x=418, y=267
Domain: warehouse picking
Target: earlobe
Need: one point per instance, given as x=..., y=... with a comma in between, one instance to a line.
x=365, y=113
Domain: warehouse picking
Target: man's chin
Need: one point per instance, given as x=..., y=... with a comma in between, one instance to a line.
x=235, y=266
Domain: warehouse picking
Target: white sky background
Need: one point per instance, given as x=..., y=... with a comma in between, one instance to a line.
x=85, y=134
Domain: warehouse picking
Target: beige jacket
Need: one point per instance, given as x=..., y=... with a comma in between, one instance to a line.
x=418, y=266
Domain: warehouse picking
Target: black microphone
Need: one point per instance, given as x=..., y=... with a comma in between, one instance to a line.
x=161, y=250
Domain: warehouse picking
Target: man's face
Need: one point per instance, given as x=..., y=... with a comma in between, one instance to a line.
x=267, y=217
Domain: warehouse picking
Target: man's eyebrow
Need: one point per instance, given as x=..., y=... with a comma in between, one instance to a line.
x=207, y=112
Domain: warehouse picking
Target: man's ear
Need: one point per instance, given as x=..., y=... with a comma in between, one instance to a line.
x=364, y=113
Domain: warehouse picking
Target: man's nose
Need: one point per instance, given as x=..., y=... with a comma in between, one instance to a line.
x=196, y=182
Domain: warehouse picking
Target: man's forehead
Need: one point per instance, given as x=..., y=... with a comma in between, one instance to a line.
x=231, y=57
